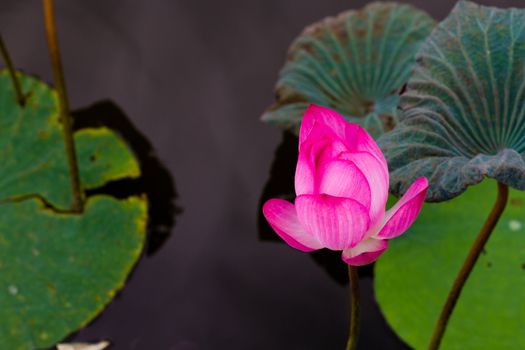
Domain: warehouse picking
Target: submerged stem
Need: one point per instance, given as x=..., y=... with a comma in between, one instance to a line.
x=12, y=73
x=468, y=265
x=58, y=74
x=355, y=311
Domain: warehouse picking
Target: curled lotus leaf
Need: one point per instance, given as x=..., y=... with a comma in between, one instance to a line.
x=355, y=63
x=463, y=113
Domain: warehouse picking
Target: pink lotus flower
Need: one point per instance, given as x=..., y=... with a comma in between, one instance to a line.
x=341, y=182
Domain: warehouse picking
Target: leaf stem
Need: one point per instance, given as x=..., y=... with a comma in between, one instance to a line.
x=355, y=311
x=468, y=265
x=58, y=74
x=12, y=73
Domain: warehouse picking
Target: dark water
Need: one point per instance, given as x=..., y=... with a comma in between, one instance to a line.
x=194, y=77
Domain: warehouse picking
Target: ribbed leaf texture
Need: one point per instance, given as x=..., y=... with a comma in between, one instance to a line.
x=464, y=107
x=355, y=63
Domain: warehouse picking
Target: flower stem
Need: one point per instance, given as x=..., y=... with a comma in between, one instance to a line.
x=11, y=69
x=468, y=265
x=354, y=300
x=58, y=74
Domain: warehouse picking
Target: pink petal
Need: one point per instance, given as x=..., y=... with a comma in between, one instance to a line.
x=313, y=154
x=342, y=178
x=365, y=252
x=403, y=214
x=338, y=223
x=319, y=122
x=377, y=178
x=282, y=216
x=358, y=140
x=304, y=175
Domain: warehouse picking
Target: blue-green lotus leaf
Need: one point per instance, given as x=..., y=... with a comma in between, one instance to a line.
x=464, y=108
x=355, y=63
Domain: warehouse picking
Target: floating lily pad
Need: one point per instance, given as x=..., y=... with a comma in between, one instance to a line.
x=355, y=63
x=59, y=270
x=32, y=153
x=414, y=276
x=464, y=107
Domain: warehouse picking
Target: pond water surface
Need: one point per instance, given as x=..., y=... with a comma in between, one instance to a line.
x=194, y=77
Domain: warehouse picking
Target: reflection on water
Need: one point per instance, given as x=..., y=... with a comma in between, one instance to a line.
x=155, y=180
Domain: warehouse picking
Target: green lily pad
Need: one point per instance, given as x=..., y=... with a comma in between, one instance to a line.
x=355, y=63
x=464, y=107
x=59, y=270
x=414, y=276
x=32, y=153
